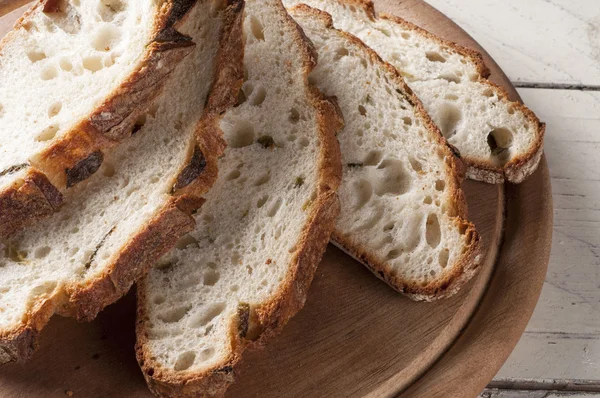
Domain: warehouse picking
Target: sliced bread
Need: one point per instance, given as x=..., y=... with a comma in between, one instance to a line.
x=403, y=211
x=138, y=205
x=498, y=139
x=74, y=78
x=246, y=268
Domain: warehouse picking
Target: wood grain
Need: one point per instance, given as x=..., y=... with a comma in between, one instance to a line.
x=7, y=6
x=535, y=41
x=562, y=340
x=355, y=334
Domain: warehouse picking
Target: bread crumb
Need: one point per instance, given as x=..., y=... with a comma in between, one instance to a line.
x=69, y=393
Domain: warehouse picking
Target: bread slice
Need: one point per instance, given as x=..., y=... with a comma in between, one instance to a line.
x=403, y=211
x=246, y=268
x=74, y=78
x=138, y=205
x=498, y=139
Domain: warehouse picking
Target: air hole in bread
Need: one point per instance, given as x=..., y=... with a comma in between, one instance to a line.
x=106, y=38
x=108, y=9
x=392, y=178
x=440, y=185
x=54, y=109
x=304, y=141
x=1, y=110
x=211, y=277
x=234, y=288
x=175, y=314
x=407, y=121
x=444, y=257
x=42, y=252
x=294, y=116
x=257, y=28
x=384, y=31
x=488, y=92
x=499, y=140
x=49, y=73
x=434, y=56
x=108, y=169
x=274, y=208
x=450, y=117
x=373, y=158
x=341, y=52
x=65, y=64
x=242, y=136
x=362, y=110
x=259, y=96
x=394, y=253
x=415, y=164
x=206, y=354
x=47, y=134
x=363, y=191
x=241, y=98
x=405, y=35
x=92, y=63
x=428, y=200
x=433, y=233
x=511, y=110
x=185, y=361
x=35, y=56
x=185, y=241
x=263, y=179
x=389, y=226
x=159, y=299
x=261, y=202
x=233, y=175
x=451, y=97
x=450, y=78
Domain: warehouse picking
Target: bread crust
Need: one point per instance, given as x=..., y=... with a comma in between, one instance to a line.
x=520, y=167
x=107, y=125
x=466, y=266
x=270, y=317
x=83, y=300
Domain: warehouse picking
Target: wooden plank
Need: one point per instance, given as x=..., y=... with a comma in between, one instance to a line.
x=540, y=41
x=562, y=340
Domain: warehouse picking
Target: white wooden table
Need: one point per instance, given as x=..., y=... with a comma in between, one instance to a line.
x=550, y=49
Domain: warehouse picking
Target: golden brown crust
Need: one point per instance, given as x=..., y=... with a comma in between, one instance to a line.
x=84, y=300
x=108, y=124
x=464, y=268
x=519, y=168
x=267, y=320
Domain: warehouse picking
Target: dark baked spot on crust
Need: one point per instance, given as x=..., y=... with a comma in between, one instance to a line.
x=13, y=169
x=179, y=10
x=169, y=39
x=224, y=369
x=192, y=170
x=84, y=169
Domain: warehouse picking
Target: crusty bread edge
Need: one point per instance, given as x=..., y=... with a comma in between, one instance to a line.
x=103, y=128
x=84, y=300
x=271, y=316
x=465, y=267
x=519, y=168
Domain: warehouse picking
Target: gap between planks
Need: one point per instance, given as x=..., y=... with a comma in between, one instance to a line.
x=546, y=385
x=556, y=86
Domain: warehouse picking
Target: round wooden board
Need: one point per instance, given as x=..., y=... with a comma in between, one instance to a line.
x=355, y=336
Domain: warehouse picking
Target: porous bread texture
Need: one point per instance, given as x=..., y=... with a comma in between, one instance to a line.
x=403, y=211
x=132, y=211
x=498, y=139
x=246, y=268
x=74, y=77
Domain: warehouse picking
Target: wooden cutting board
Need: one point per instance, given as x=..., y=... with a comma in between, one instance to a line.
x=355, y=336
